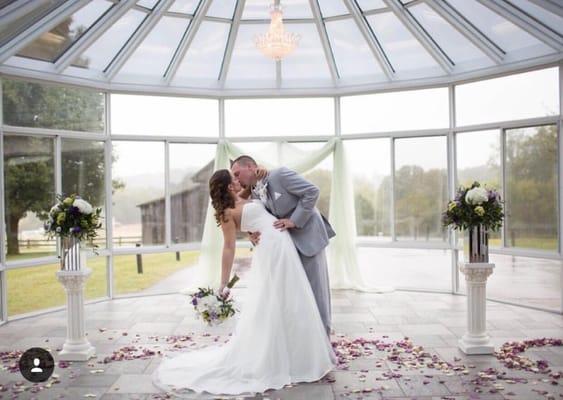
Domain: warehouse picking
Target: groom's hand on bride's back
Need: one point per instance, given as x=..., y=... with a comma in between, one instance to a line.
x=254, y=237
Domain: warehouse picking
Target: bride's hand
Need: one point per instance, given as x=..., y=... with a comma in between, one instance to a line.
x=223, y=290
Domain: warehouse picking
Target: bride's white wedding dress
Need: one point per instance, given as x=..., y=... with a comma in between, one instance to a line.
x=279, y=338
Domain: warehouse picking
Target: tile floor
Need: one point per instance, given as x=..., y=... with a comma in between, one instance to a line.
x=434, y=321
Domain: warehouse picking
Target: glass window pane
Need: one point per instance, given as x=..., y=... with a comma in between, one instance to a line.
x=395, y=111
x=406, y=268
x=158, y=46
x=249, y=67
x=50, y=45
x=354, y=59
x=37, y=288
x=222, y=8
x=34, y=289
x=184, y=6
x=138, y=205
x=553, y=21
x=29, y=194
x=147, y=3
x=524, y=280
x=160, y=273
x=261, y=117
x=405, y=52
x=366, y=5
x=421, y=188
x=259, y=9
x=202, y=63
x=330, y=8
x=478, y=159
x=456, y=46
x=519, y=96
x=307, y=66
x=191, y=166
x=517, y=42
x=104, y=49
x=54, y=107
x=370, y=165
x=83, y=172
x=531, y=179
x=9, y=30
x=135, y=115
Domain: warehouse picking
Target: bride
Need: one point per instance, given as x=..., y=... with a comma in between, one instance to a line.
x=279, y=338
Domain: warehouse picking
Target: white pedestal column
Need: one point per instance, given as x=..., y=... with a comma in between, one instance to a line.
x=476, y=340
x=77, y=347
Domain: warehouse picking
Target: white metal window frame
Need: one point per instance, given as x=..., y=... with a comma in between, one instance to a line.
x=109, y=252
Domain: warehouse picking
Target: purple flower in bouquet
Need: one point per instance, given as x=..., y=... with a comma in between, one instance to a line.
x=212, y=308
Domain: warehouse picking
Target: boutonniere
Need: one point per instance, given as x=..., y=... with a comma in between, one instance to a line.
x=261, y=190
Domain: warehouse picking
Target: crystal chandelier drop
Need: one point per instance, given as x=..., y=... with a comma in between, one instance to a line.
x=276, y=43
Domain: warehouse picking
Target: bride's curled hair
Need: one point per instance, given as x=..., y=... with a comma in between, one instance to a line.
x=221, y=199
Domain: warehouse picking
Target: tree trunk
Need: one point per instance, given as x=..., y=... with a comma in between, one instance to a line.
x=12, y=234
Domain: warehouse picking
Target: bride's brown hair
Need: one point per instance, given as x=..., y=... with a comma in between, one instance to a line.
x=221, y=198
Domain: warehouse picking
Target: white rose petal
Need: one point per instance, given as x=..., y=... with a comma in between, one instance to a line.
x=477, y=195
x=83, y=206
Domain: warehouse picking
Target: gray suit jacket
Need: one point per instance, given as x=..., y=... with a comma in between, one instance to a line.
x=296, y=201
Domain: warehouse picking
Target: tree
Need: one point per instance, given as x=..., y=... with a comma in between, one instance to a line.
x=29, y=161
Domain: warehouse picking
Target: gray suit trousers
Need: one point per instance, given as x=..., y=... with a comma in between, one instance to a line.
x=317, y=272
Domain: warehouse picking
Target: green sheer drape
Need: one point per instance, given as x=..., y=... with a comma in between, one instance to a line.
x=342, y=254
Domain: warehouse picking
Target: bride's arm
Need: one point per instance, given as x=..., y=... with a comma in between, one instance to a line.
x=229, y=248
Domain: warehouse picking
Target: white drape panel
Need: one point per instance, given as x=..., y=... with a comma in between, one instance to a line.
x=342, y=253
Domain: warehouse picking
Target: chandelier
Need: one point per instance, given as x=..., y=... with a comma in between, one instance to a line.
x=276, y=43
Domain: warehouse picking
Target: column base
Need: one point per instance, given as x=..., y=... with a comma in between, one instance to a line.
x=476, y=344
x=77, y=352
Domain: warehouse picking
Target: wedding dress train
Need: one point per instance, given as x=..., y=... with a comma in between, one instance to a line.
x=279, y=338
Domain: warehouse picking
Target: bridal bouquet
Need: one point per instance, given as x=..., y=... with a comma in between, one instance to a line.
x=212, y=308
x=73, y=216
x=474, y=206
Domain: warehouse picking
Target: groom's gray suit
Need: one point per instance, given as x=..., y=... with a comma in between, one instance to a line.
x=293, y=197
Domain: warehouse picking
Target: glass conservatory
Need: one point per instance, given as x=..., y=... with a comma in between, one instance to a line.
x=386, y=105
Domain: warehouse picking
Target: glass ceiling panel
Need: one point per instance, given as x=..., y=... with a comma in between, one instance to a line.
x=366, y=5
x=104, y=49
x=404, y=51
x=184, y=6
x=205, y=54
x=353, y=56
x=456, y=46
x=248, y=65
x=553, y=21
x=147, y=3
x=307, y=64
x=50, y=45
x=15, y=27
x=260, y=9
x=330, y=8
x=504, y=33
x=222, y=8
x=153, y=55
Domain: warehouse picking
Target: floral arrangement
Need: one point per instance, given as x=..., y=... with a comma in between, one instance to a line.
x=214, y=309
x=472, y=206
x=73, y=216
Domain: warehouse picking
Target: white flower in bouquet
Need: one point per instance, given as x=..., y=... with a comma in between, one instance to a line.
x=477, y=195
x=83, y=206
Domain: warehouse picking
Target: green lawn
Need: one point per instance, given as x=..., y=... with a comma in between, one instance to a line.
x=155, y=268
x=35, y=288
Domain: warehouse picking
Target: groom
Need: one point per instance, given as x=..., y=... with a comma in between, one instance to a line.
x=291, y=198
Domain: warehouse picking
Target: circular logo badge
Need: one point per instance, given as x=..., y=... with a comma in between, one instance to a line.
x=36, y=364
